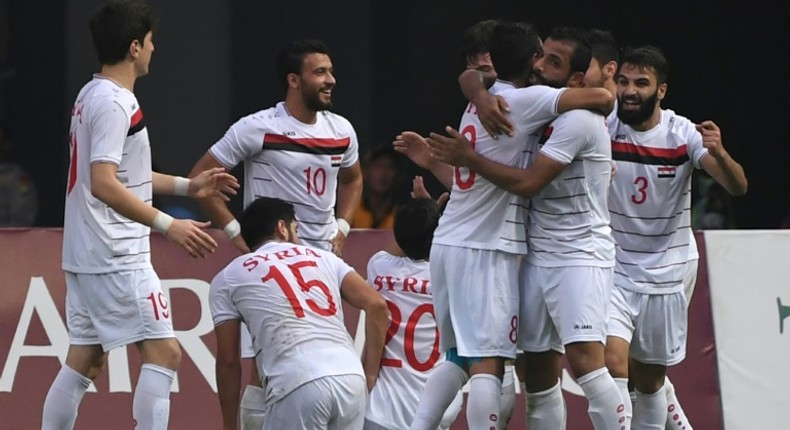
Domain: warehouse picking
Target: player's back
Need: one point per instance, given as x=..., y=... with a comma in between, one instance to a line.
x=412, y=347
x=289, y=296
x=107, y=126
x=479, y=214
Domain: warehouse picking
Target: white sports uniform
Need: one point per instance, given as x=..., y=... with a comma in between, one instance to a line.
x=412, y=348
x=113, y=295
x=650, y=207
x=567, y=279
x=289, y=296
x=292, y=161
x=476, y=248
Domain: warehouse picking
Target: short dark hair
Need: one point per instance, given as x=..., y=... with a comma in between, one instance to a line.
x=259, y=220
x=415, y=222
x=476, y=39
x=604, y=47
x=512, y=48
x=648, y=57
x=582, y=50
x=116, y=24
x=291, y=56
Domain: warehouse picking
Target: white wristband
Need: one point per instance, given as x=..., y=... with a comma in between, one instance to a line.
x=343, y=227
x=180, y=186
x=232, y=229
x=162, y=222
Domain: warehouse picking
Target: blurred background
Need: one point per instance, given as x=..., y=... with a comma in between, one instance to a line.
x=396, y=64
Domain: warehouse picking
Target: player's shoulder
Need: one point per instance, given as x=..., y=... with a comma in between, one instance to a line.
x=266, y=118
x=382, y=258
x=677, y=124
x=337, y=120
x=105, y=94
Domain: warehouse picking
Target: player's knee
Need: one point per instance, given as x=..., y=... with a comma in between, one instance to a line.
x=616, y=361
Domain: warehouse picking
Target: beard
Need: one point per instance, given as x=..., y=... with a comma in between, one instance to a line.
x=635, y=117
x=313, y=101
x=536, y=78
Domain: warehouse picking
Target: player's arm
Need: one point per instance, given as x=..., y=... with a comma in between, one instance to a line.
x=349, y=195
x=215, y=207
x=600, y=100
x=457, y=150
x=208, y=183
x=228, y=371
x=719, y=165
x=361, y=295
x=415, y=147
x=189, y=234
x=491, y=109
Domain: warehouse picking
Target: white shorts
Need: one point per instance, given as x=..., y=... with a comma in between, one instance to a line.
x=116, y=309
x=655, y=325
x=332, y=402
x=475, y=299
x=690, y=280
x=562, y=305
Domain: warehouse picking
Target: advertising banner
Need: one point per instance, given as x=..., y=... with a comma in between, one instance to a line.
x=34, y=340
x=750, y=294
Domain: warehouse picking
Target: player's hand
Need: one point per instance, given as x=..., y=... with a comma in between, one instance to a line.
x=453, y=149
x=711, y=138
x=189, y=234
x=214, y=182
x=238, y=242
x=491, y=111
x=337, y=243
x=413, y=146
x=420, y=192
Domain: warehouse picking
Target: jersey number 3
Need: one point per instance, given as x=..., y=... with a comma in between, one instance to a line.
x=641, y=194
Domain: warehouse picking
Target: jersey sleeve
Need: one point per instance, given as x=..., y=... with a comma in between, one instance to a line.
x=352, y=153
x=534, y=106
x=239, y=142
x=570, y=133
x=108, y=128
x=695, y=148
x=220, y=302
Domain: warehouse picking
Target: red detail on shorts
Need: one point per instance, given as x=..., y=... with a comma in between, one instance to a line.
x=493, y=417
x=621, y=420
x=671, y=407
x=620, y=408
x=675, y=417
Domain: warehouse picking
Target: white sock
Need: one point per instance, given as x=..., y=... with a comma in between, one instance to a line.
x=546, y=409
x=508, y=396
x=63, y=399
x=650, y=410
x=440, y=390
x=606, y=406
x=622, y=385
x=151, y=403
x=676, y=417
x=482, y=405
x=252, y=407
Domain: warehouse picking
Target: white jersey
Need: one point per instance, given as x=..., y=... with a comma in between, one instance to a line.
x=107, y=126
x=650, y=202
x=292, y=161
x=289, y=297
x=412, y=344
x=569, y=218
x=481, y=215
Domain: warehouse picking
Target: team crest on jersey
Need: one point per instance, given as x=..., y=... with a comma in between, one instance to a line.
x=336, y=159
x=546, y=134
x=666, y=172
